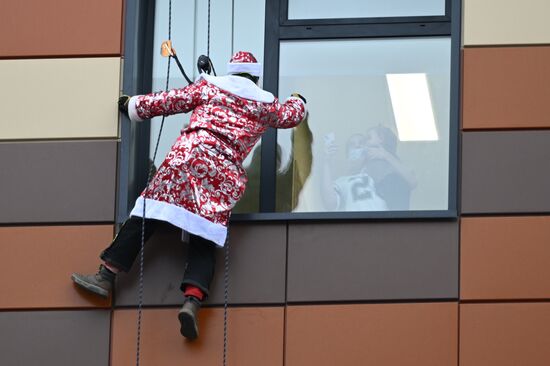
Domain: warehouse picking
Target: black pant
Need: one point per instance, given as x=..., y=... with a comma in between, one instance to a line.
x=126, y=246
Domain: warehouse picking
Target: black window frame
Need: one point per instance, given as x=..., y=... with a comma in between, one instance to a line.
x=138, y=77
x=279, y=28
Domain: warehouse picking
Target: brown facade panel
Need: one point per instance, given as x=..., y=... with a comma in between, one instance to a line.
x=38, y=261
x=257, y=268
x=255, y=337
x=505, y=334
x=505, y=258
x=505, y=172
x=373, y=261
x=54, y=338
x=506, y=87
x=60, y=28
x=62, y=181
x=376, y=334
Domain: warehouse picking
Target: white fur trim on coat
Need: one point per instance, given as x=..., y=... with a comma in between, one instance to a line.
x=241, y=87
x=180, y=217
x=254, y=69
x=132, y=112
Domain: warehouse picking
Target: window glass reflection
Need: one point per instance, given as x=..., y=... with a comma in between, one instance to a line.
x=377, y=135
x=322, y=9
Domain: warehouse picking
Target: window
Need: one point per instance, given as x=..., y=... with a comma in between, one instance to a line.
x=322, y=9
x=381, y=79
x=231, y=22
x=377, y=136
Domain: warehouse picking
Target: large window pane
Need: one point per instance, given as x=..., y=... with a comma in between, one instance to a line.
x=377, y=136
x=322, y=9
x=228, y=35
x=250, y=14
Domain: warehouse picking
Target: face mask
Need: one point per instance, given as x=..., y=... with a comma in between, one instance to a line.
x=355, y=154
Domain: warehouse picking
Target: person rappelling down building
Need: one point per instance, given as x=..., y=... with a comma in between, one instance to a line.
x=202, y=177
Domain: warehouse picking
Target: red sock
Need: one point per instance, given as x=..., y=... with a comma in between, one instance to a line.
x=194, y=291
x=110, y=267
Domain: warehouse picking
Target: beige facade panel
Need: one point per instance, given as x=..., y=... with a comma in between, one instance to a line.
x=492, y=22
x=59, y=98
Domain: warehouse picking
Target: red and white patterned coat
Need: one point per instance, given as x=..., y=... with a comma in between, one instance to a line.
x=202, y=177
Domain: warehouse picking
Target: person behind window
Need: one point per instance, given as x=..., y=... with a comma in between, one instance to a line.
x=356, y=190
x=376, y=179
x=202, y=177
x=394, y=181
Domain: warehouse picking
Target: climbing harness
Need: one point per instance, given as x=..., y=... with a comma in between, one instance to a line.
x=204, y=64
x=166, y=50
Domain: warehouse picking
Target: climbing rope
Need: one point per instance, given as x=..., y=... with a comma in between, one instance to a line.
x=226, y=248
x=208, y=35
x=149, y=175
x=225, y=299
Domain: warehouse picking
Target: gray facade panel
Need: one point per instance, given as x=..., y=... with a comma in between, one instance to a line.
x=505, y=172
x=257, y=268
x=55, y=338
x=372, y=261
x=62, y=181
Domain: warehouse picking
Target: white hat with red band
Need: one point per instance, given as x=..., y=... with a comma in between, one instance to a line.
x=244, y=62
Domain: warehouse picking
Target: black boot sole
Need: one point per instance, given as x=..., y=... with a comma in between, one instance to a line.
x=188, y=327
x=90, y=286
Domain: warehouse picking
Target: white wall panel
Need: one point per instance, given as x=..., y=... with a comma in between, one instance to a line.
x=59, y=98
x=488, y=22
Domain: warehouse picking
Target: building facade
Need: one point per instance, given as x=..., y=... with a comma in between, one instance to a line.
x=454, y=273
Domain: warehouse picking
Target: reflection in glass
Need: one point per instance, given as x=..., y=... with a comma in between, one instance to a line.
x=374, y=178
x=412, y=107
x=292, y=175
x=377, y=136
x=322, y=9
x=250, y=201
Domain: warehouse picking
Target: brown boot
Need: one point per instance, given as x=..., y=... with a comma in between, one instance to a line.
x=100, y=283
x=188, y=318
